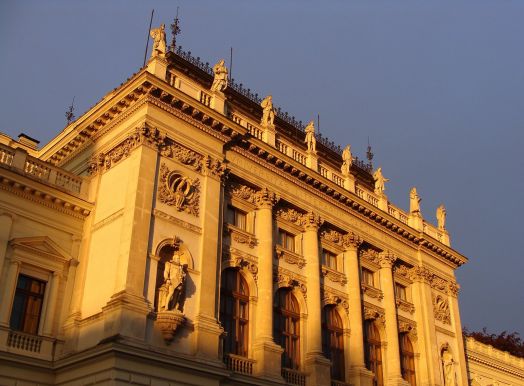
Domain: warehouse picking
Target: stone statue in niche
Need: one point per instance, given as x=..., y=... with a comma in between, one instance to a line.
x=171, y=292
x=220, y=80
x=159, y=41
x=268, y=113
x=414, y=201
x=448, y=366
x=347, y=160
x=310, y=140
x=441, y=217
x=380, y=181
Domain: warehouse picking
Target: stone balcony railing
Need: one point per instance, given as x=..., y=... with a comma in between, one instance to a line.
x=239, y=364
x=34, y=346
x=294, y=377
x=21, y=162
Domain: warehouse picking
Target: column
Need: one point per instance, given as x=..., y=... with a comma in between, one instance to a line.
x=358, y=374
x=6, y=221
x=267, y=353
x=9, y=291
x=460, y=356
x=49, y=317
x=394, y=374
x=317, y=365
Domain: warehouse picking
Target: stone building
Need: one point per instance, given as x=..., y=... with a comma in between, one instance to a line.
x=185, y=232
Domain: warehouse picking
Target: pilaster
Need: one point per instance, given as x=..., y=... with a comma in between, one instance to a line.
x=394, y=374
x=9, y=287
x=6, y=222
x=266, y=352
x=49, y=317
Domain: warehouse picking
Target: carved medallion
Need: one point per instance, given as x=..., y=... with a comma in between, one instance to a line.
x=179, y=191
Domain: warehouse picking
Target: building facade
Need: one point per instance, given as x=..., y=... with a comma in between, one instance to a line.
x=185, y=232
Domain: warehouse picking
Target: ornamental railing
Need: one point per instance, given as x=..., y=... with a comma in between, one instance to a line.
x=239, y=364
x=294, y=377
x=24, y=342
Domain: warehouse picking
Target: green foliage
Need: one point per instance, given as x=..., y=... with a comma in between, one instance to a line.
x=512, y=343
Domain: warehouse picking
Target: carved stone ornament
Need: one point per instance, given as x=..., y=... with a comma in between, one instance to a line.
x=183, y=155
x=331, y=296
x=453, y=289
x=290, y=257
x=370, y=255
x=334, y=276
x=239, y=259
x=404, y=305
x=374, y=313
x=179, y=191
x=142, y=135
x=372, y=292
x=386, y=259
x=287, y=278
x=242, y=192
x=265, y=198
x=168, y=322
x=241, y=236
x=311, y=220
x=421, y=274
x=407, y=326
x=441, y=309
x=213, y=167
x=402, y=271
x=290, y=215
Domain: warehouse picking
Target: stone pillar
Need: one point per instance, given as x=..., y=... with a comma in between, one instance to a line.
x=158, y=67
x=349, y=182
x=9, y=288
x=394, y=374
x=207, y=328
x=312, y=160
x=6, y=222
x=317, y=365
x=358, y=374
x=268, y=135
x=460, y=357
x=267, y=353
x=218, y=102
x=49, y=317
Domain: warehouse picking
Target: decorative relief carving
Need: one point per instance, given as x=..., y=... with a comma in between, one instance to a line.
x=332, y=236
x=374, y=313
x=290, y=257
x=286, y=278
x=453, y=289
x=290, y=215
x=421, y=274
x=404, y=305
x=351, y=240
x=403, y=271
x=142, y=135
x=311, y=220
x=372, y=292
x=213, y=167
x=386, y=259
x=237, y=258
x=241, y=236
x=332, y=296
x=242, y=192
x=334, y=276
x=407, y=326
x=441, y=309
x=370, y=255
x=184, y=155
x=265, y=198
x=179, y=191
x=439, y=284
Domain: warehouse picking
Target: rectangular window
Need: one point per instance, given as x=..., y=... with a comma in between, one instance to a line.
x=367, y=277
x=329, y=259
x=237, y=217
x=400, y=292
x=286, y=240
x=27, y=305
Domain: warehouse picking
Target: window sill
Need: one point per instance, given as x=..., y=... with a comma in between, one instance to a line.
x=290, y=257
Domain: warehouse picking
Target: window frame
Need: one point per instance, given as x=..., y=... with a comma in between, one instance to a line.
x=284, y=318
x=28, y=295
x=333, y=341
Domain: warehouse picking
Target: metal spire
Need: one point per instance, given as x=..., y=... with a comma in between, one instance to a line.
x=175, y=30
x=70, y=115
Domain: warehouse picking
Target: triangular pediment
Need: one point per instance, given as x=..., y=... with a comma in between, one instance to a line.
x=42, y=245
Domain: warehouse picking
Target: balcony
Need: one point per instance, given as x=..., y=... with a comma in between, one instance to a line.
x=239, y=364
x=20, y=343
x=294, y=377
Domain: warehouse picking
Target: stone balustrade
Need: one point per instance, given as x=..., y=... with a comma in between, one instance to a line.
x=239, y=364
x=294, y=377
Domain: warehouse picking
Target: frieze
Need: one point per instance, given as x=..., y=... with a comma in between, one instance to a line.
x=441, y=309
x=183, y=155
x=239, y=259
x=334, y=276
x=213, y=167
x=286, y=278
x=290, y=257
x=334, y=297
x=179, y=191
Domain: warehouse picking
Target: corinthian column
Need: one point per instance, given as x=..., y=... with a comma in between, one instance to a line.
x=358, y=374
x=394, y=374
x=267, y=353
x=316, y=363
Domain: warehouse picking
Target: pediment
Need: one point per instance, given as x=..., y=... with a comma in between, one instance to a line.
x=41, y=245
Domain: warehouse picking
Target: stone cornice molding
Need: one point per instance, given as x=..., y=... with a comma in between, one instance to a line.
x=265, y=199
x=386, y=259
x=333, y=275
x=492, y=357
x=241, y=236
x=425, y=275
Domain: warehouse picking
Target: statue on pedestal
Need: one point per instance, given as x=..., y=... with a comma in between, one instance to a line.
x=310, y=140
x=441, y=217
x=414, y=201
x=159, y=41
x=448, y=365
x=172, y=290
x=347, y=160
x=268, y=113
x=380, y=181
x=220, y=80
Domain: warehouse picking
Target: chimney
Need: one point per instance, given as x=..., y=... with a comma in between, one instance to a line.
x=26, y=140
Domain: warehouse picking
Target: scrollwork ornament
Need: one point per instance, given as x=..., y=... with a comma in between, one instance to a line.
x=290, y=215
x=265, y=198
x=213, y=167
x=386, y=259
x=184, y=155
x=311, y=221
x=351, y=240
x=179, y=191
x=242, y=192
x=441, y=309
x=453, y=289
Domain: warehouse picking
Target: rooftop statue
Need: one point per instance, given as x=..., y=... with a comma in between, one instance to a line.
x=380, y=181
x=310, y=137
x=159, y=38
x=268, y=113
x=220, y=80
x=441, y=217
x=414, y=201
x=347, y=160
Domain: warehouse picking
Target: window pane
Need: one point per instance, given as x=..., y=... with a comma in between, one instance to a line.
x=27, y=305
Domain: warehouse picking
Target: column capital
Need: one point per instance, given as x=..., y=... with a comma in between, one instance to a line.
x=351, y=241
x=386, y=259
x=311, y=221
x=421, y=274
x=265, y=199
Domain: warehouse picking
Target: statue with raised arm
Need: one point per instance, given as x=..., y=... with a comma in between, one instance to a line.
x=414, y=201
x=159, y=41
x=268, y=113
x=220, y=80
x=380, y=181
x=448, y=365
x=310, y=140
x=171, y=291
x=347, y=160
x=441, y=217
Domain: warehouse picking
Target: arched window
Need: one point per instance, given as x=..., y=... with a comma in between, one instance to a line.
x=333, y=341
x=234, y=312
x=407, y=359
x=373, y=352
x=286, y=328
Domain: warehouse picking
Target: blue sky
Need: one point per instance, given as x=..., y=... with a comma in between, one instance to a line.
x=437, y=86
